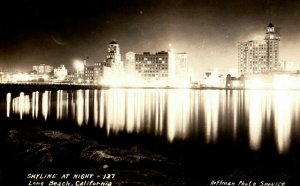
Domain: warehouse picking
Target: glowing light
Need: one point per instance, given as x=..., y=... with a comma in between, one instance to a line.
x=255, y=83
x=101, y=113
x=79, y=66
x=79, y=107
x=211, y=115
x=59, y=105
x=96, y=114
x=45, y=104
x=8, y=103
x=286, y=82
x=86, y=106
x=255, y=118
x=116, y=107
x=235, y=83
x=45, y=77
x=283, y=119
x=35, y=104
x=20, y=77
x=178, y=113
x=67, y=105
x=130, y=112
x=73, y=106
x=21, y=105
x=235, y=110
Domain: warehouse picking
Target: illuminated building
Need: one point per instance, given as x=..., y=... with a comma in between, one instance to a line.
x=113, y=56
x=89, y=73
x=235, y=82
x=93, y=74
x=260, y=57
x=60, y=72
x=129, y=65
x=155, y=67
x=181, y=68
x=112, y=67
x=42, y=69
x=107, y=70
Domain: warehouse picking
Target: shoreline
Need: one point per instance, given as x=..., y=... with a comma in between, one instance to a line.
x=31, y=148
x=35, y=148
x=56, y=86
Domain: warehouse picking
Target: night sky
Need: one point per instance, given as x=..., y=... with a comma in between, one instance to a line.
x=56, y=32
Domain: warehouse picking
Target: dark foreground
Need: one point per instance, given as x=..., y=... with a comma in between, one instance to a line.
x=30, y=149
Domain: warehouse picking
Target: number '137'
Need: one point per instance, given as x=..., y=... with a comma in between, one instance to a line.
x=109, y=176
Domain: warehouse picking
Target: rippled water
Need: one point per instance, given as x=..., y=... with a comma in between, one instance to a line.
x=255, y=116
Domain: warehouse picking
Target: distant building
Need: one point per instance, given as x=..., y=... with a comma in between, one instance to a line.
x=235, y=82
x=93, y=73
x=260, y=57
x=60, y=72
x=42, y=69
x=112, y=66
x=107, y=70
x=287, y=66
x=129, y=65
x=155, y=67
x=181, y=66
x=113, y=56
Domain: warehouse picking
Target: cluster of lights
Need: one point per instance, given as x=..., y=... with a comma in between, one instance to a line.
x=278, y=82
x=25, y=77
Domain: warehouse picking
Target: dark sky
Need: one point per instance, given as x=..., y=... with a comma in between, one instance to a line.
x=57, y=32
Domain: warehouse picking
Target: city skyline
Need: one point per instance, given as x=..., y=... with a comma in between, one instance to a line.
x=58, y=32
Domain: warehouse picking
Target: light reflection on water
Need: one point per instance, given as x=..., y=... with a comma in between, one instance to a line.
x=256, y=113
x=283, y=119
x=177, y=114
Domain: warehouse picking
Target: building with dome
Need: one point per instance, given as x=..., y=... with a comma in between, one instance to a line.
x=260, y=56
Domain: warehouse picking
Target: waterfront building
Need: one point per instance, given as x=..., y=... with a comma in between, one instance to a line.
x=42, y=69
x=113, y=57
x=113, y=66
x=155, y=67
x=235, y=82
x=109, y=69
x=260, y=57
x=93, y=73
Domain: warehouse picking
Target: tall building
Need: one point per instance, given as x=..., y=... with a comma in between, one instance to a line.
x=260, y=57
x=113, y=56
x=155, y=67
x=107, y=70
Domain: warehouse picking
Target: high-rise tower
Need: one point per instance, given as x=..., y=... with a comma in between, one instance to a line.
x=260, y=57
x=272, y=40
x=113, y=56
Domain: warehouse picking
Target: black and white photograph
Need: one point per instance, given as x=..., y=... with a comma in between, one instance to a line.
x=150, y=93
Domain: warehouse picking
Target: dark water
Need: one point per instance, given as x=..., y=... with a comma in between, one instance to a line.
x=244, y=133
